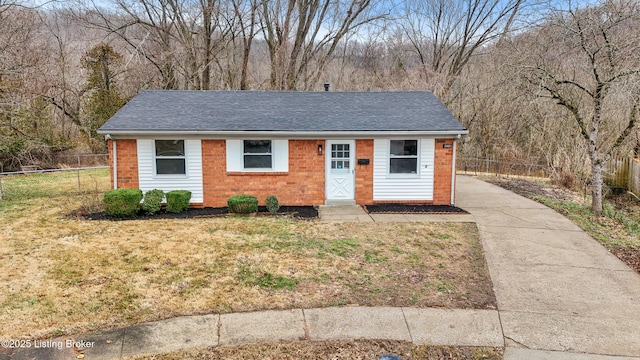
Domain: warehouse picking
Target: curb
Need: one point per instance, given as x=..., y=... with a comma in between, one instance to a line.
x=456, y=327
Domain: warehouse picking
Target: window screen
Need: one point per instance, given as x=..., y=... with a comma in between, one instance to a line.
x=170, y=157
x=258, y=154
x=403, y=157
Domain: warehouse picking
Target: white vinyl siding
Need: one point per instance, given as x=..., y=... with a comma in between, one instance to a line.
x=388, y=186
x=192, y=180
x=279, y=152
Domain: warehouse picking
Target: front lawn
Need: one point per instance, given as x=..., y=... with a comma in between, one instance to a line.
x=62, y=275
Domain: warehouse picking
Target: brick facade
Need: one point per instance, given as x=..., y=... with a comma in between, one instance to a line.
x=302, y=185
x=364, y=173
x=442, y=171
x=127, y=162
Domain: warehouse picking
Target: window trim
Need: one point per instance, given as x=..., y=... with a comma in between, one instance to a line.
x=270, y=154
x=185, y=157
x=391, y=156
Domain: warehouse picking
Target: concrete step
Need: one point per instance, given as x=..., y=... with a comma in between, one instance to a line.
x=339, y=202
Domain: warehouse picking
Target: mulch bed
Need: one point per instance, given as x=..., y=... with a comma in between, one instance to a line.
x=414, y=209
x=303, y=212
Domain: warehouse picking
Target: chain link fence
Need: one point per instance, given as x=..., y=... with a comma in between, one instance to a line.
x=472, y=165
x=77, y=174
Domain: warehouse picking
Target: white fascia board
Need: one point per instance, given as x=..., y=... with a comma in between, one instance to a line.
x=121, y=134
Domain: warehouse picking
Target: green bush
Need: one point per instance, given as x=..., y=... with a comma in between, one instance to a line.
x=122, y=203
x=243, y=204
x=272, y=204
x=178, y=200
x=152, y=201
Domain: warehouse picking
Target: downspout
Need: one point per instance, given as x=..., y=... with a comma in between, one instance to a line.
x=453, y=172
x=115, y=161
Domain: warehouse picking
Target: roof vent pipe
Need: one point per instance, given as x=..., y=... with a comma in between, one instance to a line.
x=326, y=86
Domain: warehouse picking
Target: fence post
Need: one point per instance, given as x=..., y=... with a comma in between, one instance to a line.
x=79, y=174
x=634, y=176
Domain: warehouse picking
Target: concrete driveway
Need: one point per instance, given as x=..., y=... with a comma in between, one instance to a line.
x=557, y=288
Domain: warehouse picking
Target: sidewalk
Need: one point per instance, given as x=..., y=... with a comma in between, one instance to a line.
x=433, y=326
x=560, y=296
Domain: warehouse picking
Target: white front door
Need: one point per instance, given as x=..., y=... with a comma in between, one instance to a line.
x=340, y=169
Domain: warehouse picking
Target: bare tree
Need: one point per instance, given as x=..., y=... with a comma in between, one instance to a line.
x=586, y=62
x=299, y=32
x=446, y=34
x=246, y=15
x=28, y=129
x=64, y=90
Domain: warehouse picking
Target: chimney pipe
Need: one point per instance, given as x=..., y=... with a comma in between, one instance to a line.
x=326, y=86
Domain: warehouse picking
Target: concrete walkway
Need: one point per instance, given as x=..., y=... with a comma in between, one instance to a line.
x=557, y=288
x=560, y=296
x=349, y=213
x=357, y=214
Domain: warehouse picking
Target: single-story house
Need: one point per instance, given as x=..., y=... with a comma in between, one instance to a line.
x=307, y=148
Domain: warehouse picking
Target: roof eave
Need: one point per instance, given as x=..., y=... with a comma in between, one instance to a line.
x=278, y=134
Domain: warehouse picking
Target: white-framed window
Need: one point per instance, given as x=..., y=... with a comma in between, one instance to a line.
x=257, y=154
x=170, y=157
x=403, y=157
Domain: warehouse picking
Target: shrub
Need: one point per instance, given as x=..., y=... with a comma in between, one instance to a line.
x=178, y=200
x=243, y=204
x=152, y=201
x=565, y=179
x=122, y=203
x=272, y=204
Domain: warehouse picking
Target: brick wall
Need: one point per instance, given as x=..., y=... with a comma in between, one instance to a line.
x=303, y=184
x=127, y=162
x=442, y=172
x=364, y=173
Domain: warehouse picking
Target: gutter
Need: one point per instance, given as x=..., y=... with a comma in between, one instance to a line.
x=282, y=134
x=115, y=160
x=453, y=172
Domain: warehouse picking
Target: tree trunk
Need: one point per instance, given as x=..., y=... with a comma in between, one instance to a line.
x=596, y=186
x=596, y=161
x=247, y=41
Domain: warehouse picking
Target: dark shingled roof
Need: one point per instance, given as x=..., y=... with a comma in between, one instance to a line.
x=210, y=111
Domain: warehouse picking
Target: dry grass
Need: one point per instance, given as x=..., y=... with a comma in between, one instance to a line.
x=349, y=349
x=54, y=183
x=61, y=275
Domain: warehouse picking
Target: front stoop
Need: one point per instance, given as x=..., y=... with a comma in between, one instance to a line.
x=345, y=213
x=339, y=202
